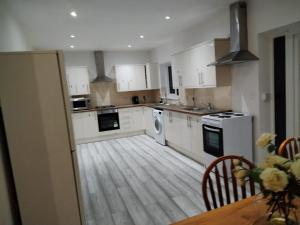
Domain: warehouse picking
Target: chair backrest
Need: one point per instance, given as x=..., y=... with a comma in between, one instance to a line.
x=289, y=147
x=219, y=185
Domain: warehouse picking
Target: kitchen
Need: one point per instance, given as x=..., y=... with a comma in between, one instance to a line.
x=144, y=123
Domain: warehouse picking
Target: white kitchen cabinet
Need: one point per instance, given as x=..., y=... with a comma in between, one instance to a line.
x=191, y=70
x=152, y=72
x=131, y=119
x=85, y=125
x=177, y=70
x=78, y=80
x=184, y=131
x=148, y=121
x=197, y=149
x=130, y=77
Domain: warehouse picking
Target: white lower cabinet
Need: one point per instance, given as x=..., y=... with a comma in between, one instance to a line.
x=148, y=121
x=85, y=125
x=184, y=131
x=131, y=119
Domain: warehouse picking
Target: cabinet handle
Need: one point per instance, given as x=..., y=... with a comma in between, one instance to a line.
x=190, y=122
x=199, y=80
x=187, y=121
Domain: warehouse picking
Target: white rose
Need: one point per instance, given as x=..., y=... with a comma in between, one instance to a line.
x=295, y=169
x=274, y=179
x=236, y=162
x=240, y=172
x=264, y=140
x=271, y=160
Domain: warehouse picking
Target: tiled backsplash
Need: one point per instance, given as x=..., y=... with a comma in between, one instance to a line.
x=220, y=97
x=105, y=93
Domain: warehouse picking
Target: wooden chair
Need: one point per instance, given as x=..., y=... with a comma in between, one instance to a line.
x=290, y=147
x=220, y=187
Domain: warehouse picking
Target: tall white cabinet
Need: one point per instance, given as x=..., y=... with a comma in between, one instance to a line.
x=78, y=80
x=190, y=66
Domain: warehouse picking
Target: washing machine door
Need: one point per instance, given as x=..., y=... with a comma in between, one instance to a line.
x=157, y=125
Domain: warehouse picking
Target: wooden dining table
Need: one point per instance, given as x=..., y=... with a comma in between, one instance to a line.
x=244, y=212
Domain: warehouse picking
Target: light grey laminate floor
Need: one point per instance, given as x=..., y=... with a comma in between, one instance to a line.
x=135, y=181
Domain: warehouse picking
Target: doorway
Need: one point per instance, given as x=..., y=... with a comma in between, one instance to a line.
x=279, y=88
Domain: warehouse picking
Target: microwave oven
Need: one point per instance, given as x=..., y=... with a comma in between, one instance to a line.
x=80, y=103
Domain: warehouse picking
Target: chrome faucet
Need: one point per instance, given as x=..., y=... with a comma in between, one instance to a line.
x=210, y=106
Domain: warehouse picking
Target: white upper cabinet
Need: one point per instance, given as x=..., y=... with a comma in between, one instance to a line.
x=190, y=67
x=78, y=80
x=130, y=77
x=152, y=72
x=137, y=77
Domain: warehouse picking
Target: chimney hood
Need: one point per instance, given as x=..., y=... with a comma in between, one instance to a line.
x=238, y=37
x=101, y=77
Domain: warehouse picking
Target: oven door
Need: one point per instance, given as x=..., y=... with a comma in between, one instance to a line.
x=108, y=121
x=213, y=140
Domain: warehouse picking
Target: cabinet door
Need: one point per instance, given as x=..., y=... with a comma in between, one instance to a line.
x=177, y=69
x=186, y=71
x=185, y=137
x=124, y=74
x=78, y=80
x=77, y=125
x=148, y=121
x=209, y=72
x=91, y=125
x=152, y=72
x=83, y=83
x=172, y=127
x=197, y=138
x=138, y=80
x=137, y=119
x=125, y=120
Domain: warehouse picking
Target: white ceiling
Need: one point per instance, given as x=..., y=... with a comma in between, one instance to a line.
x=109, y=24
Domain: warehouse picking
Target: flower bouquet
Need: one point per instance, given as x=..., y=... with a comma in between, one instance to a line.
x=279, y=179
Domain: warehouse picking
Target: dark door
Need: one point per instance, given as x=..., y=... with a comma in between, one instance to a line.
x=279, y=89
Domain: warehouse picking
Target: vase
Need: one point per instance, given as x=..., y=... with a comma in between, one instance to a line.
x=280, y=212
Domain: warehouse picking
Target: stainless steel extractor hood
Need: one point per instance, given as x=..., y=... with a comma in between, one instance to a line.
x=238, y=37
x=101, y=77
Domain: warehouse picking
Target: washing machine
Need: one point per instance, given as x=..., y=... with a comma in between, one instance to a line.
x=159, y=126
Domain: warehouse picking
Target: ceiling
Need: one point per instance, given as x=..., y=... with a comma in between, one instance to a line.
x=109, y=24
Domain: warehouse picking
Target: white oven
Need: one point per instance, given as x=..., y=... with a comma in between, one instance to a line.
x=227, y=133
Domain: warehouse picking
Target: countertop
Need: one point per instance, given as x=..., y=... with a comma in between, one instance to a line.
x=174, y=108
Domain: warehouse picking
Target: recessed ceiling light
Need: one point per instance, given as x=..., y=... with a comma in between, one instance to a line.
x=72, y=46
x=129, y=46
x=72, y=36
x=167, y=17
x=142, y=36
x=73, y=13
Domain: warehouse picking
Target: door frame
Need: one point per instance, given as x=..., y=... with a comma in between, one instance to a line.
x=292, y=76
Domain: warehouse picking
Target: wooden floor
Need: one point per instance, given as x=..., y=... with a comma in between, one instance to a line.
x=136, y=181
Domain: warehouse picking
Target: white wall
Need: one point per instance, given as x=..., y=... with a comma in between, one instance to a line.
x=263, y=15
x=12, y=37
x=111, y=58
